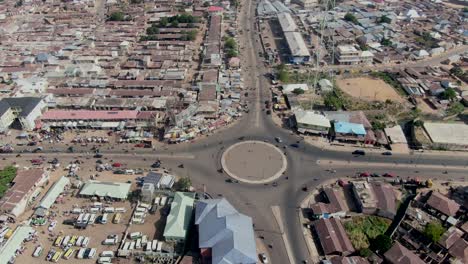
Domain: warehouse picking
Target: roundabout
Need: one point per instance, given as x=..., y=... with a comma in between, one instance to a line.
x=254, y=162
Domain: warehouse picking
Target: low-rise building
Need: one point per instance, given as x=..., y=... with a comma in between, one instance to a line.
x=108, y=190
x=375, y=198
x=159, y=180
x=333, y=237
x=24, y=109
x=224, y=234
x=399, y=254
x=442, y=204
x=23, y=191
x=299, y=53
x=311, y=122
x=449, y=136
x=54, y=192
x=180, y=217
x=352, y=132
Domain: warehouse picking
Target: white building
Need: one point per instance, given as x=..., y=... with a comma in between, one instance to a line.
x=25, y=109
x=311, y=122
x=308, y=4
x=289, y=88
x=349, y=55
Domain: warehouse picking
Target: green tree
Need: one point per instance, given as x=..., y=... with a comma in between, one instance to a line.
x=455, y=108
x=231, y=53
x=377, y=125
x=333, y=102
x=152, y=30
x=365, y=252
x=418, y=123
x=175, y=23
x=183, y=184
x=448, y=94
x=6, y=176
x=351, y=18
x=386, y=42
x=283, y=76
x=163, y=22
x=381, y=244
x=192, y=34
x=384, y=19
x=117, y=16
x=298, y=91
x=230, y=43
x=434, y=231
x=457, y=71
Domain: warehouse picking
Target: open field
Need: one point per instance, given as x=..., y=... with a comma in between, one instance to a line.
x=369, y=89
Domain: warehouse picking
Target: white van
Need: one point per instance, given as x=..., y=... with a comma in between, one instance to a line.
x=81, y=253
x=154, y=245
x=141, y=210
x=103, y=260
x=85, y=242
x=80, y=219
x=38, y=251
x=65, y=241
x=126, y=246
x=109, y=210
x=107, y=253
x=129, y=171
x=94, y=210
x=97, y=205
x=92, y=219
x=79, y=241
x=159, y=247
x=77, y=211
x=86, y=218
x=144, y=240
x=145, y=205
x=104, y=219
x=163, y=201
x=138, y=243
x=109, y=241
x=157, y=200
x=149, y=246
x=132, y=245
x=135, y=235
x=91, y=254
x=120, y=210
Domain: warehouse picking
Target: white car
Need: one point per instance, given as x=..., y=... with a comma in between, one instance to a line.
x=263, y=258
x=52, y=226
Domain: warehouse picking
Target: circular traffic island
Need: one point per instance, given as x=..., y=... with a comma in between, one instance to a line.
x=254, y=162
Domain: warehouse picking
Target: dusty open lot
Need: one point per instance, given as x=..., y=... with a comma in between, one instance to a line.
x=369, y=89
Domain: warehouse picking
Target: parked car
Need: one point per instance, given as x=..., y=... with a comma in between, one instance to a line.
x=278, y=139
x=294, y=145
x=263, y=258
x=389, y=175
x=359, y=152
x=365, y=174
x=387, y=153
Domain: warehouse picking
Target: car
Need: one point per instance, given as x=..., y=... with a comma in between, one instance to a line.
x=387, y=153
x=268, y=112
x=156, y=165
x=294, y=145
x=274, y=184
x=278, y=139
x=32, y=143
x=69, y=222
x=119, y=172
x=38, y=149
x=389, y=175
x=117, y=165
x=263, y=258
x=375, y=175
x=139, y=145
x=241, y=138
x=359, y=152
x=365, y=174
x=97, y=155
x=36, y=161
x=52, y=225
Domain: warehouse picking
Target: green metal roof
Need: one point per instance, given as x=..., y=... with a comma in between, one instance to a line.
x=178, y=220
x=116, y=190
x=54, y=192
x=14, y=242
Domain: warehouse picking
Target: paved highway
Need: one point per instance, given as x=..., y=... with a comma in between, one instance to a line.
x=306, y=165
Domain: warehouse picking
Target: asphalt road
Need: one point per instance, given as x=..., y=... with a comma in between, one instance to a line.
x=307, y=164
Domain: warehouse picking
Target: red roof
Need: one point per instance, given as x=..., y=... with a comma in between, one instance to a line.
x=60, y=115
x=215, y=9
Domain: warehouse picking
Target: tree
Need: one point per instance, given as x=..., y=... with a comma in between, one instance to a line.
x=455, y=108
x=434, y=231
x=381, y=243
x=231, y=53
x=163, y=22
x=384, y=19
x=365, y=252
x=448, y=94
x=230, y=43
x=386, y=42
x=183, y=184
x=333, y=102
x=298, y=91
x=377, y=125
x=457, y=71
x=418, y=123
x=152, y=30
x=175, y=23
x=351, y=18
x=192, y=34
x=283, y=76
x=117, y=16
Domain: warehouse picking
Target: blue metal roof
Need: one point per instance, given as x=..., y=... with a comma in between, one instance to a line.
x=350, y=128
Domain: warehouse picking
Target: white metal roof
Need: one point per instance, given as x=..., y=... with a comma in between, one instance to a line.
x=447, y=133
x=287, y=22
x=311, y=118
x=296, y=44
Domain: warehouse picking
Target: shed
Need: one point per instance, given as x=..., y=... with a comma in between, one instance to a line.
x=8, y=251
x=54, y=192
x=114, y=190
x=180, y=216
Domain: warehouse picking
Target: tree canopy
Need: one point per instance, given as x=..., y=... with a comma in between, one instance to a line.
x=381, y=244
x=183, y=184
x=117, y=16
x=434, y=231
x=448, y=94
x=351, y=18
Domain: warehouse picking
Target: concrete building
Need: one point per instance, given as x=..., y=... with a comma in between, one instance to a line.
x=448, y=136
x=23, y=192
x=225, y=235
x=349, y=55
x=14, y=243
x=180, y=217
x=49, y=199
x=311, y=122
x=299, y=53
x=159, y=180
x=308, y=4
x=24, y=109
x=147, y=192
x=375, y=198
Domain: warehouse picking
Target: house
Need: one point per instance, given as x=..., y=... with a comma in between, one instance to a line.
x=333, y=237
x=23, y=191
x=375, y=198
x=459, y=251
x=180, y=217
x=311, y=122
x=224, y=234
x=452, y=235
x=398, y=254
x=334, y=205
x=325, y=85
x=345, y=131
x=24, y=109
x=105, y=190
x=348, y=260
x=442, y=204
x=159, y=180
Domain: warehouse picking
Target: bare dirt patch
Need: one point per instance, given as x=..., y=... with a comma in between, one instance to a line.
x=369, y=89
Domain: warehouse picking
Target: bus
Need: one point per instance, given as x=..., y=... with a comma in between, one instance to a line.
x=107, y=253
x=109, y=210
x=157, y=200
x=79, y=241
x=135, y=235
x=159, y=247
x=58, y=241
x=91, y=254
x=120, y=210
x=126, y=246
x=65, y=241
x=163, y=201
x=144, y=205
x=86, y=218
x=138, y=243
x=92, y=219
x=38, y=252
x=104, y=260
x=57, y=256
x=68, y=253
x=117, y=218
x=85, y=242
x=80, y=218
x=155, y=245
x=132, y=245
x=141, y=210
x=149, y=246
x=73, y=240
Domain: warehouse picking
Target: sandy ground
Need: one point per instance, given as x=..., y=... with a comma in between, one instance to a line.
x=153, y=226
x=369, y=89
